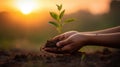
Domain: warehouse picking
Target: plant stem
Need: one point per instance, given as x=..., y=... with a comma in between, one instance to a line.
x=59, y=30
x=60, y=25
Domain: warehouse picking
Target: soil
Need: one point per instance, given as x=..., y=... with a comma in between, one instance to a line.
x=25, y=58
x=52, y=44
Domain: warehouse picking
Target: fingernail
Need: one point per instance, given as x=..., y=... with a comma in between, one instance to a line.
x=58, y=44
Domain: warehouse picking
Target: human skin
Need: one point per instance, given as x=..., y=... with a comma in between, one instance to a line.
x=109, y=30
x=73, y=40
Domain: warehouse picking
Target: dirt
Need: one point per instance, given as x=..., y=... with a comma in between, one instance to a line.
x=52, y=44
x=25, y=58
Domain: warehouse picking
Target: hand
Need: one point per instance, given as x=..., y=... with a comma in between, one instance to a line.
x=60, y=38
x=65, y=35
x=74, y=42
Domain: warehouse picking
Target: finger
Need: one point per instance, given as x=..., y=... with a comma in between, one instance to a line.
x=59, y=37
x=68, y=48
x=50, y=49
x=63, y=42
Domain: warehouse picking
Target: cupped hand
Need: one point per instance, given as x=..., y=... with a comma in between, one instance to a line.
x=70, y=42
x=73, y=43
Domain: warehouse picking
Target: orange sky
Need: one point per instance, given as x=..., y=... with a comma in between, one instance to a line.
x=93, y=6
x=40, y=12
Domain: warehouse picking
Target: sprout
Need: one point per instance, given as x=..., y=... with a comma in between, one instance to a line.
x=59, y=22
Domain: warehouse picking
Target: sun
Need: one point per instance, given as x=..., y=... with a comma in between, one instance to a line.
x=26, y=6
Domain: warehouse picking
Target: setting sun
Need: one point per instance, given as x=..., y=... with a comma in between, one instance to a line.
x=26, y=6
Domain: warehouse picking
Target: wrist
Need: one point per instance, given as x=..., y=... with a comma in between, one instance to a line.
x=91, y=39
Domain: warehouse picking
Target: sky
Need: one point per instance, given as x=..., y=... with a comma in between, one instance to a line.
x=92, y=6
x=35, y=11
x=33, y=25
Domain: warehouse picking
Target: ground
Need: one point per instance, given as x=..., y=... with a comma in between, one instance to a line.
x=24, y=58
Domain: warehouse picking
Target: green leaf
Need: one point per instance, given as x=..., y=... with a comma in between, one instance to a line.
x=62, y=14
x=59, y=7
x=69, y=20
x=54, y=15
x=54, y=24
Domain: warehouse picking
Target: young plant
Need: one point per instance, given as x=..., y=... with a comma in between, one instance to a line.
x=58, y=17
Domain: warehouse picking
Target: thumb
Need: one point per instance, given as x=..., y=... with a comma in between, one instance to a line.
x=63, y=42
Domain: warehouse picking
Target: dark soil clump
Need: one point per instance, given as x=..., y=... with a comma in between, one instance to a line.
x=52, y=44
x=57, y=50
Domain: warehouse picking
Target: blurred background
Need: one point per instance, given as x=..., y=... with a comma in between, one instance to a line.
x=24, y=23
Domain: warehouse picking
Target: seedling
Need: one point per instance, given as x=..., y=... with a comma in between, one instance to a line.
x=58, y=24
x=58, y=17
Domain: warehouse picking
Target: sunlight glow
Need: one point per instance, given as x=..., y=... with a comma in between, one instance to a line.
x=26, y=6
